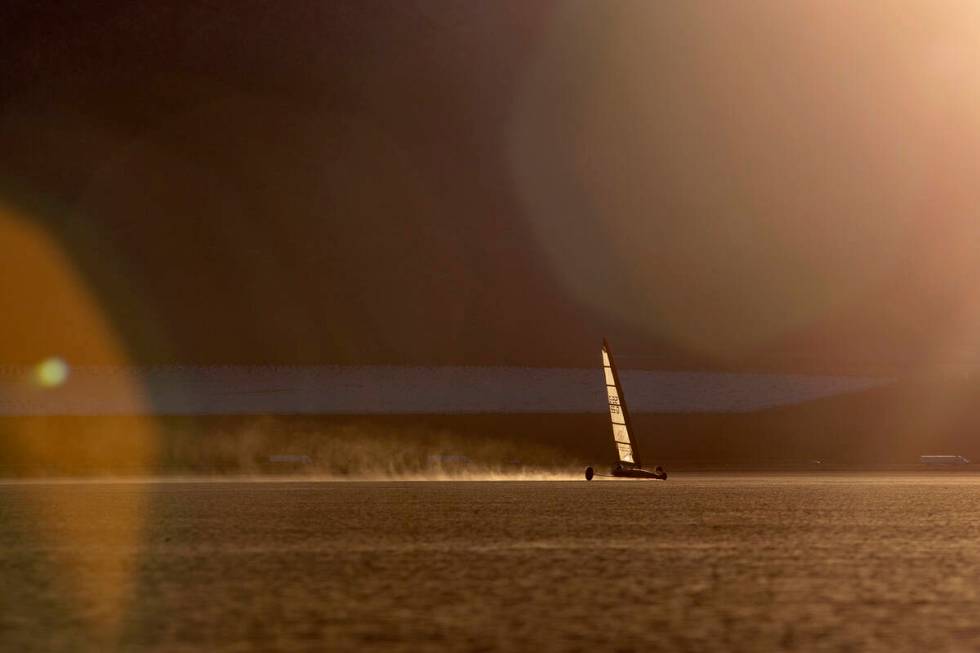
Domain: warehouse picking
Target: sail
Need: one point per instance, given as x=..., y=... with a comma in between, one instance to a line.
x=618, y=413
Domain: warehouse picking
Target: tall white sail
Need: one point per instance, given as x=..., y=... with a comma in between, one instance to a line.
x=618, y=412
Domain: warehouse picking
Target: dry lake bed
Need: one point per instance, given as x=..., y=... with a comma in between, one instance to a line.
x=698, y=563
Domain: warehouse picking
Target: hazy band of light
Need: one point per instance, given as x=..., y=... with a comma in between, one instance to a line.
x=99, y=390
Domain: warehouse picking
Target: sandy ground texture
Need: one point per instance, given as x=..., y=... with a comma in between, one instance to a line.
x=697, y=563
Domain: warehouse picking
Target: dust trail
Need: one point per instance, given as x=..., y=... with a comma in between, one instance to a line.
x=278, y=448
x=474, y=473
x=269, y=446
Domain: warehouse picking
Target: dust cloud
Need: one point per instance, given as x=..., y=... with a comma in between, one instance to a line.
x=362, y=452
x=281, y=447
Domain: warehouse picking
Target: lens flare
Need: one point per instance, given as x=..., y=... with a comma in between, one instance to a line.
x=51, y=372
x=49, y=308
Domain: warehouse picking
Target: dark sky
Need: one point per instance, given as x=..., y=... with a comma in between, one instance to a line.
x=713, y=184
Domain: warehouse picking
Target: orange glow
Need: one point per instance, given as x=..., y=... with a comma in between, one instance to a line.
x=48, y=310
x=742, y=173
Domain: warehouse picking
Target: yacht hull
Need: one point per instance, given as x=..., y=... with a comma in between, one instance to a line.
x=658, y=474
x=636, y=472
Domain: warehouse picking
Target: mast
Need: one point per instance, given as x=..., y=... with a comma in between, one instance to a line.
x=619, y=415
